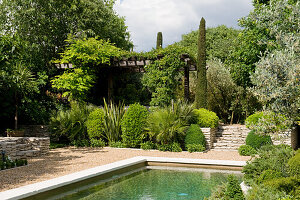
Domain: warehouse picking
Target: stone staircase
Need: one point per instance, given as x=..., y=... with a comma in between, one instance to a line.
x=230, y=137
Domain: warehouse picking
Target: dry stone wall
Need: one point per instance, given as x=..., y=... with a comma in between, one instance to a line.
x=210, y=134
x=24, y=147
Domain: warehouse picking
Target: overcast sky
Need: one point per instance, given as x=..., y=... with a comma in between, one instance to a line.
x=145, y=18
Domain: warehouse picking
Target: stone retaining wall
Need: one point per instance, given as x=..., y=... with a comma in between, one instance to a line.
x=35, y=130
x=210, y=134
x=24, y=147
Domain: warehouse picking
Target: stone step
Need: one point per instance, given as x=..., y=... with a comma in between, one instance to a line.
x=230, y=139
x=219, y=144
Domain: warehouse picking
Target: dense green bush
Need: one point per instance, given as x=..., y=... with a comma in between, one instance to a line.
x=94, y=124
x=265, y=193
x=97, y=142
x=148, y=145
x=253, y=119
x=194, y=135
x=168, y=125
x=195, y=148
x=268, y=174
x=117, y=144
x=246, y=150
x=69, y=126
x=133, y=124
x=205, y=118
x=274, y=157
x=256, y=141
x=174, y=147
x=294, y=165
x=233, y=189
x=289, y=185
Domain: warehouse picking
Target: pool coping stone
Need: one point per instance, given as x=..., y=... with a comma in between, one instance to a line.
x=35, y=188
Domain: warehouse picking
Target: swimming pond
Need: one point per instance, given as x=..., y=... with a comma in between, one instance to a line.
x=156, y=184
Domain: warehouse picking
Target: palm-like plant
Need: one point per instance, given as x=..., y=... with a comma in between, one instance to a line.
x=112, y=121
x=167, y=125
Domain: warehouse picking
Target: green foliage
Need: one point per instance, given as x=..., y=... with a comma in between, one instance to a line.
x=159, y=40
x=71, y=124
x=289, y=185
x=195, y=148
x=252, y=120
x=97, y=143
x=117, y=144
x=167, y=125
x=233, y=189
x=201, y=90
x=194, y=135
x=267, y=122
x=206, y=118
x=261, y=192
x=88, y=52
x=95, y=124
x=220, y=41
x=246, y=150
x=133, y=124
x=274, y=157
x=148, y=145
x=74, y=83
x=54, y=145
x=113, y=114
x=268, y=175
x=257, y=141
x=173, y=147
x=162, y=75
x=294, y=165
x=278, y=85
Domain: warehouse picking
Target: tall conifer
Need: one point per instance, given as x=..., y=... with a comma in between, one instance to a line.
x=159, y=40
x=201, y=90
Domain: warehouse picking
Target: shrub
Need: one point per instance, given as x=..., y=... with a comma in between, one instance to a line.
x=233, y=189
x=195, y=148
x=265, y=193
x=133, y=124
x=289, y=185
x=294, y=165
x=167, y=125
x=148, y=145
x=174, y=147
x=194, y=135
x=117, y=145
x=256, y=141
x=246, y=150
x=97, y=143
x=81, y=143
x=112, y=121
x=70, y=124
x=273, y=157
x=252, y=120
x=267, y=122
x=267, y=175
x=205, y=118
x=94, y=124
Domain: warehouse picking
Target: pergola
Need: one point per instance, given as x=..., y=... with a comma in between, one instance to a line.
x=138, y=65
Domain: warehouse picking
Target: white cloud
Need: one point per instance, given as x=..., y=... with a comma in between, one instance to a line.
x=145, y=18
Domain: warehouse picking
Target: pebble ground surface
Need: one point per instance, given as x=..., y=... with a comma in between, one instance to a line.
x=63, y=161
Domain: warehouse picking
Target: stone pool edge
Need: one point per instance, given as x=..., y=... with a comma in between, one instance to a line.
x=36, y=188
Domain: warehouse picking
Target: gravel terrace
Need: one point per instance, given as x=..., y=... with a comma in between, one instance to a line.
x=64, y=161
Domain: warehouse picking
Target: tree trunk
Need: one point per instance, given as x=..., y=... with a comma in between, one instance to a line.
x=16, y=111
x=295, y=137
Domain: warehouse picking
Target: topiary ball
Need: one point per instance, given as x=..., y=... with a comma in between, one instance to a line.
x=194, y=135
x=256, y=141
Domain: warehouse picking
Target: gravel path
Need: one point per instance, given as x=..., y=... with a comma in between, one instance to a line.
x=64, y=161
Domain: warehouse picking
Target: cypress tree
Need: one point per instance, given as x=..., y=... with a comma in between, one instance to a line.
x=159, y=40
x=201, y=89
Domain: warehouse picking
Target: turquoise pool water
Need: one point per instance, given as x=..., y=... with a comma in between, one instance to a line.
x=154, y=184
